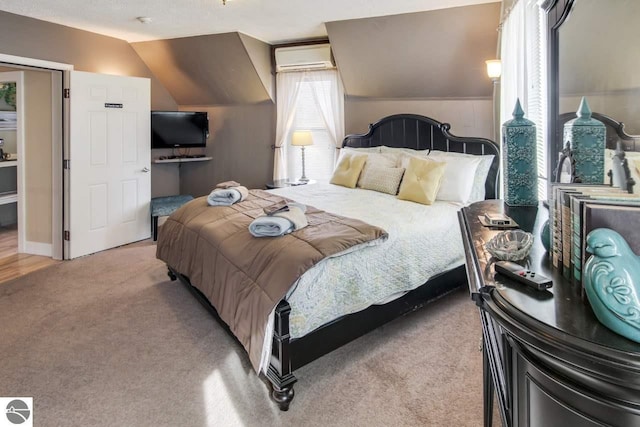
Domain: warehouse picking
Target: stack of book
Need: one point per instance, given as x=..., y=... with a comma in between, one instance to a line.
x=577, y=209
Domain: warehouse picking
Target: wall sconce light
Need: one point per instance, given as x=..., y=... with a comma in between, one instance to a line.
x=494, y=69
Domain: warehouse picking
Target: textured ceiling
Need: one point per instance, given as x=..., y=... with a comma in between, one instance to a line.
x=271, y=21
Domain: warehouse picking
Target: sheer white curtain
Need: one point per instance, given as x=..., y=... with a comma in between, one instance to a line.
x=324, y=89
x=328, y=94
x=513, y=49
x=523, y=55
x=288, y=88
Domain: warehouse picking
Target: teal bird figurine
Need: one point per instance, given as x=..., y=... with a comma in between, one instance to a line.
x=612, y=282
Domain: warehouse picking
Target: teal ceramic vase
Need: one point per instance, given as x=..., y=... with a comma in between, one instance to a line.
x=519, y=160
x=612, y=282
x=587, y=138
x=545, y=236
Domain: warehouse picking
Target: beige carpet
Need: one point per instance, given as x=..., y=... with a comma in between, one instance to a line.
x=108, y=340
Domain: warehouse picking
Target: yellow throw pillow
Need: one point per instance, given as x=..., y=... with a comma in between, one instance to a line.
x=421, y=180
x=348, y=170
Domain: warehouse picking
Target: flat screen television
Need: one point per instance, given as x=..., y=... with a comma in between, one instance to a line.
x=176, y=129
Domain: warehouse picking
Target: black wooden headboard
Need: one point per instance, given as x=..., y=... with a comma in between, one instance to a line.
x=422, y=133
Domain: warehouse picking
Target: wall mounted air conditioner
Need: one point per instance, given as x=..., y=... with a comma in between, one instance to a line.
x=308, y=57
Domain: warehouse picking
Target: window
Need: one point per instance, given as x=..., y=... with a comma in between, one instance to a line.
x=319, y=157
x=311, y=101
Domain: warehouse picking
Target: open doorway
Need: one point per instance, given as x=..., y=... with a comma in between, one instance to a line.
x=30, y=194
x=11, y=92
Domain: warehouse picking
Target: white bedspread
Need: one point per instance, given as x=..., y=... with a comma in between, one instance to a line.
x=423, y=241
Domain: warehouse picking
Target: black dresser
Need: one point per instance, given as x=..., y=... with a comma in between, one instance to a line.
x=549, y=360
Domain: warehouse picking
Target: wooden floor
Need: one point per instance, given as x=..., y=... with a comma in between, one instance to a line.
x=13, y=264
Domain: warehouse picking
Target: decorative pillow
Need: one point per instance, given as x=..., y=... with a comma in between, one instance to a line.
x=378, y=160
x=348, y=170
x=458, y=178
x=421, y=180
x=382, y=179
x=478, y=191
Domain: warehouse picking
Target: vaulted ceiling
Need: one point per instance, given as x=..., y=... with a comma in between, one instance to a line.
x=220, y=69
x=434, y=54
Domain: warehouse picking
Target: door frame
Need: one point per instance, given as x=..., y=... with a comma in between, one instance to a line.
x=59, y=142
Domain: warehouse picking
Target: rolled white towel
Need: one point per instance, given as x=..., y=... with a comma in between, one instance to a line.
x=224, y=197
x=270, y=226
x=280, y=223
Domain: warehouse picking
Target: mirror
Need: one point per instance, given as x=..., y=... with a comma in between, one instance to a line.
x=593, y=53
x=564, y=172
x=599, y=59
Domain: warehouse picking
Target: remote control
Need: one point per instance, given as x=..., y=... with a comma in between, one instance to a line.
x=520, y=274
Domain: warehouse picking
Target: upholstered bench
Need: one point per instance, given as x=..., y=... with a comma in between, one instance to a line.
x=164, y=206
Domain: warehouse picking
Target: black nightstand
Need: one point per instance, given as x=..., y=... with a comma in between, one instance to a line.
x=280, y=183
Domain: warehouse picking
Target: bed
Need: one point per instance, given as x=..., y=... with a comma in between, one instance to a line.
x=293, y=338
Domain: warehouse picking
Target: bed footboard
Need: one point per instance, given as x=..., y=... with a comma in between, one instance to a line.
x=279, y=372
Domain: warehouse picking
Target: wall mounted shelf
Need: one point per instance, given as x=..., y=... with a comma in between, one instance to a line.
x=8, y=163
x=183, y=160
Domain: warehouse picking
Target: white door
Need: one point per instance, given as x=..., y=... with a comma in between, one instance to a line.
x=109, y=162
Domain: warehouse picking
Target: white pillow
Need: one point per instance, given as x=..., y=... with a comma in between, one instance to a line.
x=634, y=168
x=633, y=160
x=398, y=150
x=458, y=178
x=478, y=191
x=406, y=154
x=363, y=150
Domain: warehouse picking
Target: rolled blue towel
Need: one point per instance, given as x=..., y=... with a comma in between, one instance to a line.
x=224, y=197
x=281, y=222
x=270, y=226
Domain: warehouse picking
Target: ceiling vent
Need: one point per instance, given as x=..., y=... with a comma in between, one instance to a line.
x=307, y=57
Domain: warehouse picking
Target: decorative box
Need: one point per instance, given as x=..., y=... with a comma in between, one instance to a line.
x=519, y=160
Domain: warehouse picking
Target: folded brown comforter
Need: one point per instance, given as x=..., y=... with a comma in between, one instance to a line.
x=245, y=277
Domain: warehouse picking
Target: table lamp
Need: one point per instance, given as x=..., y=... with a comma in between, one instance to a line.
x=302, y=138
